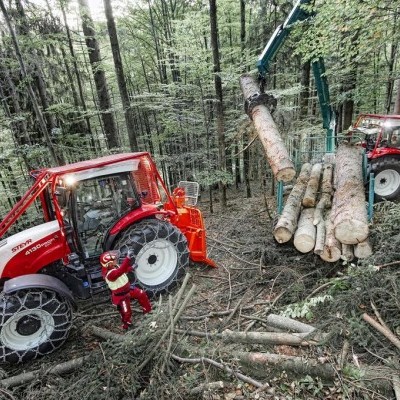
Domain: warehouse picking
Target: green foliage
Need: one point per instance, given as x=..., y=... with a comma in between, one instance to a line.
x=304, y=309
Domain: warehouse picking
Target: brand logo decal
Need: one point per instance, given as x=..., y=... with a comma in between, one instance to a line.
x=21, y=245
x=38, y=246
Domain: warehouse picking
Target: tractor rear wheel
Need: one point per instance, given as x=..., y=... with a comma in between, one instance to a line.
x=33, y=322
x=161, y=254
x=387, y=177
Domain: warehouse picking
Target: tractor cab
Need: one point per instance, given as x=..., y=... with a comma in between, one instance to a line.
x=93, y=205
x=380, y=134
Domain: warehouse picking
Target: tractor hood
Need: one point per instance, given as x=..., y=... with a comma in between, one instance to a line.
x=27, y=250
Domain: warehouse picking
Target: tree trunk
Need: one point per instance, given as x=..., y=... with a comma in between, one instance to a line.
x=76, y=71
x=310, y=195
x=350, y=213
x=276, y=152
x=32, y=96
x=278, y=321
x=396, y=109
x=119, y=71
x=332, y=248
x=320, y=237
x=110, y=128
x=287, y=222
x=219, y=102
x=261, y=364
x=289, y=339
x=305, y=88
x=304, y=238
x=326, y=185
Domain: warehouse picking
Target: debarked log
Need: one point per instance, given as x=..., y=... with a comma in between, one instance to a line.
x=332, y=248
x=275, y=149
x=304, y=237
x=290, y=339
x=281, y=322
x=363, y=249
x=59, y=369
x=310, y=196
x=350, y=212
x=320, y=238
x=347, y=252
x=287, y=222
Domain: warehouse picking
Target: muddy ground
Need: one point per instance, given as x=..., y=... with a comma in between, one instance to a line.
x=254, y=277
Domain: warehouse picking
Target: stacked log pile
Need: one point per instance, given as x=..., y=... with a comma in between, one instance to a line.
x=326, y=211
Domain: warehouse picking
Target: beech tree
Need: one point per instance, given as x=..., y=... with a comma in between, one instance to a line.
x=110, y=128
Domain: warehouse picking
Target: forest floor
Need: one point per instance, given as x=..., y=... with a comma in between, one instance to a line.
x=254, y=278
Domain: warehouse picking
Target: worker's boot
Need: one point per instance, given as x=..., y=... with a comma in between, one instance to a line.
x=124, y=308
x=141, y=296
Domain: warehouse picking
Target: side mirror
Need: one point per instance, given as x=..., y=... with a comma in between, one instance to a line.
x=61, y=193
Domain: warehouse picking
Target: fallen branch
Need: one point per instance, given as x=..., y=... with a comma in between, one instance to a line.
x=166, y=332
x=379, y=267
x=221, y=366
x=396, y=386
x=58, y=369
x=290, y=339
x=298, y=365
x=107, y=335
x=290, y=324
x=385, y=331
x=208, y=387
x=212, y=314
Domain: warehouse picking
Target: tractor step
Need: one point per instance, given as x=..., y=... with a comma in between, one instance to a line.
x=96, y=282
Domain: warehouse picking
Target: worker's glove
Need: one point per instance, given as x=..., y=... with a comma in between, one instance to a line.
x=132, y=259
x=134, y=266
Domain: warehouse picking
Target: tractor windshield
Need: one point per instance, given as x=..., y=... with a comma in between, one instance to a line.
x=95, y=204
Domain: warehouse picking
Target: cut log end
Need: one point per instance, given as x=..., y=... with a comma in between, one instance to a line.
x=351, y=231
x=282, y=234
x=286, y=174
x=331, y=254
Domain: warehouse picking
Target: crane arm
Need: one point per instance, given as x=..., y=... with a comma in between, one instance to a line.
x=274, y=44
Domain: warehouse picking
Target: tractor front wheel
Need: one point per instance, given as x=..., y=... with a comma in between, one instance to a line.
x=387, y=177
x=161, y=254
x=33, y=322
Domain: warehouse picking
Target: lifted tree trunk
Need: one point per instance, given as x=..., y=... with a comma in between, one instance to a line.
x=276, y=152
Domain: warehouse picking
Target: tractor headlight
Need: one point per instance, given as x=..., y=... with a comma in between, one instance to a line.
x=70, y=180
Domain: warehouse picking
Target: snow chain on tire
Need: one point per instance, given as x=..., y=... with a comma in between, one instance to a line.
x=161, y=253
x=33, y=323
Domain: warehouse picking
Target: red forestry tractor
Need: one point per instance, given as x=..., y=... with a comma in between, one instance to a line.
x=380, y=136
x=114, y=202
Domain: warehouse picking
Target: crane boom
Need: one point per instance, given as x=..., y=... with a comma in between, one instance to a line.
x=298, y=14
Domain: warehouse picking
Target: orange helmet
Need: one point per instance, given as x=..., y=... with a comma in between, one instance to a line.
x=109, y=258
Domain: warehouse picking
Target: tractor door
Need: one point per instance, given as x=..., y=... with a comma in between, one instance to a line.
x=95, y=205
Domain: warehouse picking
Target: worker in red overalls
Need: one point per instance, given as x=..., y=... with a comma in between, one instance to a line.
x=121, y=290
